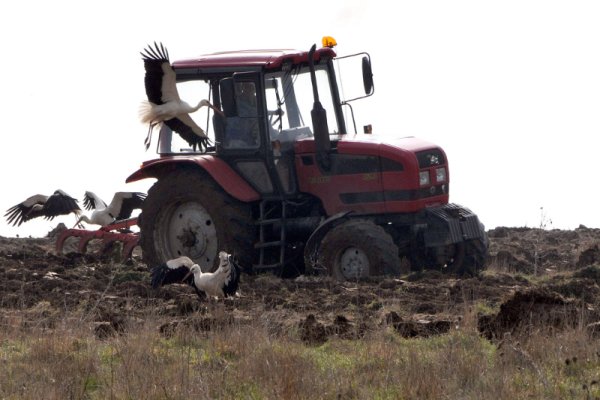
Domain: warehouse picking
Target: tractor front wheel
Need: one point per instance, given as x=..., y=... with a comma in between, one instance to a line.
x=473, y=255
x=358, y=249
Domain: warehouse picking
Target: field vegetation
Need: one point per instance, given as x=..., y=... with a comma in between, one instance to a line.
x=87, y=327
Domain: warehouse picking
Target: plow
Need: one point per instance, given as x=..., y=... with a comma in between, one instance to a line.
x=117, y=232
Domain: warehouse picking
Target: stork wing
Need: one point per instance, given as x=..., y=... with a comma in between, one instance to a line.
x=26, y=210
x=160, y=77
x=92, y=202
x=162, y=275
x=189, y=131
x=123, y=203
x=60, y=203
x=16, y=215
x=231, y=285
x=173, y=271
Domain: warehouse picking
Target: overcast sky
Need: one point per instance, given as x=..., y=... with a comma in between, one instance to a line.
x=510, y=90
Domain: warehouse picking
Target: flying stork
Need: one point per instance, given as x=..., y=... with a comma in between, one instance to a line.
x=221, y=283
x=121, y=207
x=40, y=205
x=164, y=104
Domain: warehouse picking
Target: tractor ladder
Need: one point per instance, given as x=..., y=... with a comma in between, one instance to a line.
x=272, y=237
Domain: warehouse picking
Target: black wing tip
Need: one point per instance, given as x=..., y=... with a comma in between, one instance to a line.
x=88, y=206
x=15, y=219
x=16, y=215
x=12, y=210
x=158, y=275
x=232, y=287
x=156, y=53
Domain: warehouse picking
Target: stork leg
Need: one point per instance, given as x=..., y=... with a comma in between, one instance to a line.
x=149, y=135
x=78, y=224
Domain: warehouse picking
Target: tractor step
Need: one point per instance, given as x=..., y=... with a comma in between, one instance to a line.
x=261, y=267
x=271, y=246
x=267, y=244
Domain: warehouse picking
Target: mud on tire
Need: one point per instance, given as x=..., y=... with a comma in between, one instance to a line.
x=358, y=249
x=472, y=259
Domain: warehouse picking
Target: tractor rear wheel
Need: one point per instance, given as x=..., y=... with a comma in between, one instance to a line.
x=358, y=249
x=187, y=214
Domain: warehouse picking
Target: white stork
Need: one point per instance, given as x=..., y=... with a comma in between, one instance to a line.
x=121, y=207
x=221, y=283
x=164, y=104
x=40, y=205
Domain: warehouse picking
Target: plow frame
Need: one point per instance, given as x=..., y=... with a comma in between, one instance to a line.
x=107, y=234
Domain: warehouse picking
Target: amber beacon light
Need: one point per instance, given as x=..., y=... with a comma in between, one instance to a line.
x=328, y=41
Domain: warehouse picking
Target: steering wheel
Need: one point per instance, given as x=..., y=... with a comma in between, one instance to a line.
x=275, y=117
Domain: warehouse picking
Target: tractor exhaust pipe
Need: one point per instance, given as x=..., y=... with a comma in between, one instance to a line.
x=319, y=118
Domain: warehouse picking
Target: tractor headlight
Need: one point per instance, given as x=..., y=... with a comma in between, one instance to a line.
x=440, y=174
x=424, y=178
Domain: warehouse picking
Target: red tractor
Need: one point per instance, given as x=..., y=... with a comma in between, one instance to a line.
x=290, y=186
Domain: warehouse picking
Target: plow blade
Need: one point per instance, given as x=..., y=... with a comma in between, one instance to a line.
x=107, y=235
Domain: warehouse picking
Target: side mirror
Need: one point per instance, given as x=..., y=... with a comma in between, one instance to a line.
x=367, y=74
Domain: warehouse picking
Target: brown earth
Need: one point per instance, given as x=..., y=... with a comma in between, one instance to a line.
x=535, y=279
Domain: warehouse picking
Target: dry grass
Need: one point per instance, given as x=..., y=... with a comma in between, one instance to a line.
x=239, y=361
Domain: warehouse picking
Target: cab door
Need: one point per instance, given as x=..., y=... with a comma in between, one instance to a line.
x=242, y=133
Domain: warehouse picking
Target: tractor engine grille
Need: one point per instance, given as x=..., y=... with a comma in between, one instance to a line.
x=430, y=158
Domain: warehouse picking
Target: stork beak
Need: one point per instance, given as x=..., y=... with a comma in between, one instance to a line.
x=187, y=276
x=217, y=111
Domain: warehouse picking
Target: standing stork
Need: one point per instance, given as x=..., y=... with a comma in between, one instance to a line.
x=39, y=205
x=164, y=104
x=221, y=283
x=121, y=207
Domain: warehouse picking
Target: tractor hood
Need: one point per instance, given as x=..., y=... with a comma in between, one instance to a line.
x=392, y=148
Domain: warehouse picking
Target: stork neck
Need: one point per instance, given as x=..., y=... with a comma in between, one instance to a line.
x=85, y=218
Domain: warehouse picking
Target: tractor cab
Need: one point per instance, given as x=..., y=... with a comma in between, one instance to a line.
x=267, y=100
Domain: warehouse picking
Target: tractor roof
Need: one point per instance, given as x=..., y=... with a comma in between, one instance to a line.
x=268, y=59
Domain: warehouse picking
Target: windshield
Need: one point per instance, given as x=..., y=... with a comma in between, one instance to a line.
x=289, y=99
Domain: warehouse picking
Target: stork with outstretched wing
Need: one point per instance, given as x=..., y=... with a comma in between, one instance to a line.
x=120, y=207
x=39, y=205
x=164, y=104
x=222, y=283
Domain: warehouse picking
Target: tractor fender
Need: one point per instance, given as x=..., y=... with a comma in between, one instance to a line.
x=449, y=224
x=218, y=169
x=312, y=244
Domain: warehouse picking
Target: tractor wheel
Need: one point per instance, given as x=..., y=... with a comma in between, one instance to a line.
x=187, y=214
x=465, y=258
x=471, y=258
x=358, y=249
